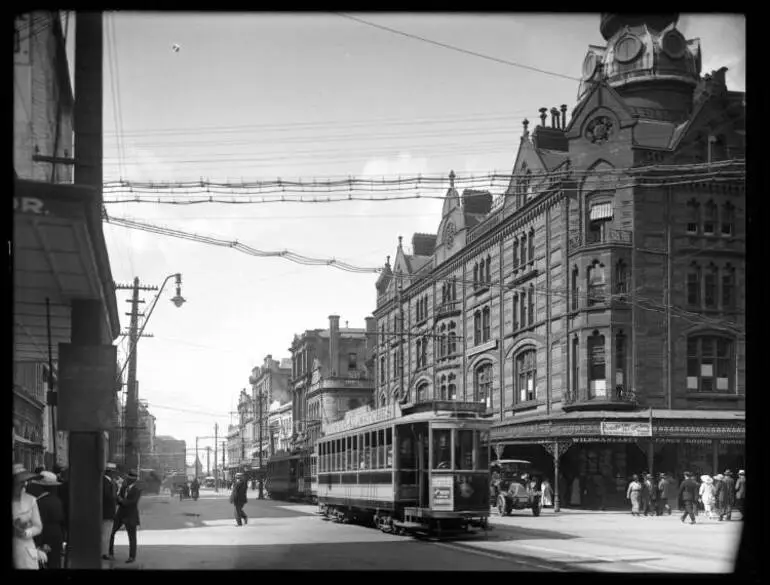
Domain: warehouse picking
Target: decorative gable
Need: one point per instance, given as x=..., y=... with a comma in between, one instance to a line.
x=600, y=112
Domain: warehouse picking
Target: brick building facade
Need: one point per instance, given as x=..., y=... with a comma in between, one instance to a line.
x=605, y=285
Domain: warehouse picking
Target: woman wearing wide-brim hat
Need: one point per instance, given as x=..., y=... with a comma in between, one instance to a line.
x=51, y=539
x=26, y=521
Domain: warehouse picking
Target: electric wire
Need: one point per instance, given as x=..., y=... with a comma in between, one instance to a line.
x=458, y=49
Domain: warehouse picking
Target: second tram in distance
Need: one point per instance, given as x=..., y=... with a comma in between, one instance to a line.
x=424, y=469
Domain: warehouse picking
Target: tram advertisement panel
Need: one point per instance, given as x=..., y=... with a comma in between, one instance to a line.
x=442, y=493
x=471, y=491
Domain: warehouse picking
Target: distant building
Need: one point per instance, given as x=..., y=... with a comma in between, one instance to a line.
x=329, y=377
x=279, y=423
x=269, y=384
x=234, y=450
x=170, y=454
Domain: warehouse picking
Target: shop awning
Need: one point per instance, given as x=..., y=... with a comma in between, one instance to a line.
x=59, y=253
x=601, y=211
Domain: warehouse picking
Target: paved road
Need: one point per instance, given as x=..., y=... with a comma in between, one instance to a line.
x=279, y=535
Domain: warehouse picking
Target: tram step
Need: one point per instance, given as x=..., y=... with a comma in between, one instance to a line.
x=409, y=525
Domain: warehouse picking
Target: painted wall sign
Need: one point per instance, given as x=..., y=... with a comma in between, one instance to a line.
x=626, y=429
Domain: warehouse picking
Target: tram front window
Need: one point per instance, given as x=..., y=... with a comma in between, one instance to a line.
x=442, y=453
x=464, y=450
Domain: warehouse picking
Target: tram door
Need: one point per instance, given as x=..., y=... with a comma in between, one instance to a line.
x=423, y=467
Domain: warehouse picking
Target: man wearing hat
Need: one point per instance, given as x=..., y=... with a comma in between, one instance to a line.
x=51, y=539
x=238, y=499
x=126, y=515
x=109, y=503
x=740, y=493
x=728, y=497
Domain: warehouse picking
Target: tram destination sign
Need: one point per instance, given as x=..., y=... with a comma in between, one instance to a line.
x=361, y=417
x=626, y=429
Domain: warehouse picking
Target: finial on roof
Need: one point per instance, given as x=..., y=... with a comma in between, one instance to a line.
x=387, y=261
x=452, y=179
x=400, y=238
x=542, y=115
x=525, y=123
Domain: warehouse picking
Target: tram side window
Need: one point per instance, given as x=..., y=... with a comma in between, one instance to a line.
x=365, y=453
x=406, y=449
x=381, y=449
x=464, y=449
x=442, y=453
x=354, y=454
x=483, y=450
x=337, y=454
x=389, y=448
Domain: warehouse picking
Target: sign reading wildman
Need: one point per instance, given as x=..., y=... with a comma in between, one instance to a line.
x=626, y=429
x=361, y=417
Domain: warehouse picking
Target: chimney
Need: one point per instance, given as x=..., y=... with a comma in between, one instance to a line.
x=555, y=118
x=542, y=116
x=334, y=342
x=564, y=116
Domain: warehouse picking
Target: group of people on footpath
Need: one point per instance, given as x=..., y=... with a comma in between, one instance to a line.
x=716, y=496
x=39, y=502
x=120, y=507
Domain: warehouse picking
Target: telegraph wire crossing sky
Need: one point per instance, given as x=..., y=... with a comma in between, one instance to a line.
x=234, y=98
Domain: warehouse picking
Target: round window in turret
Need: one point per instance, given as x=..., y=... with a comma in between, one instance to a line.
x=589, y=65
x=673, y=44
x=627, y=49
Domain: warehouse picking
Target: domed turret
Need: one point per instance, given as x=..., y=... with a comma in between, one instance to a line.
x=613, y=22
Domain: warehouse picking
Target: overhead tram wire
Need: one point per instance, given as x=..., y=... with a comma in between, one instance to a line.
x=458, y=49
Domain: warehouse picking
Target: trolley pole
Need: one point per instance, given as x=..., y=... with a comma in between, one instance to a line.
x=216, y=472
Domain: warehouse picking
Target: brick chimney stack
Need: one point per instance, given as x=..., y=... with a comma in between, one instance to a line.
x=334, y=343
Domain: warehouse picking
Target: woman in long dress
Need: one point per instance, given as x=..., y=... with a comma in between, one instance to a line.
x=547, y=493
x=706, y=493
x=26, y=521
x=634, y=493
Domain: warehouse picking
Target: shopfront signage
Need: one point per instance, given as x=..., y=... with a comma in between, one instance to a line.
x=442, y=494
x=29, y=205
x=626, y=429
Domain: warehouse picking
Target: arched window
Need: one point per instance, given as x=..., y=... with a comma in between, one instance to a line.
x=419, y=353
x=452, y=388
x=523, y=308
x=515, y=254
x=574, y=289
x=424, y=351
x=597, y=371
x=693, y=285
x=728, y=219
x=483, y=384
x=620, y=364
x=710, y=287
x=599, y=220
x=531, y=241
x=443, y=345
x=476, y=327
x=476, y=275
x=488, y=271
x=728, y=287
x=525, y=375
x=710, y=364
x=516, y=312
x=443, y=293
x=531, y=303
x=485, y=329
x=597, y=283
x=454, y=288
x=422, y=392
x=442, y=392
x=452, y=343
x=621, y=276
x=709, y=218
x=528, y=185
x=523, y=249
x=693, y=216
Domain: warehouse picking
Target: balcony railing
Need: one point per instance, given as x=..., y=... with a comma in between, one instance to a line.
x=619, y=397
x=607, y=236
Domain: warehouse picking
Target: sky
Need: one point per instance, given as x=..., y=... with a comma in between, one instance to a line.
x=313, y=95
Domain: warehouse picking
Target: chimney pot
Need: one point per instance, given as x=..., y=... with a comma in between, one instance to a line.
x=525, y=123
x=564, y=116
x=542, y=115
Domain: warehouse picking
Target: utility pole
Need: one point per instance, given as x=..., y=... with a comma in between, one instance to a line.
x=196, y=458
x=261, y=493
x=208, y=461
x=132, y=396
x=216, y=473
x=223, y=455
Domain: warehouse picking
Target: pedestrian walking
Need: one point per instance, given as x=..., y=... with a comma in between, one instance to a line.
x=649, y=495
x=740, y=493
x=707, y=495
x=26, y=521
x=634, y=493
x=727, y=497
x=688, y=494
x=126, y=515
x=667, y=494
x=51, y=538
x=238, y=499
x=109, y=504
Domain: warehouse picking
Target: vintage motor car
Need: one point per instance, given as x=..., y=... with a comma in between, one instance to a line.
x=514, y=487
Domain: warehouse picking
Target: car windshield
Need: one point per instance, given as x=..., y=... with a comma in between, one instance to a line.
x=510, y=469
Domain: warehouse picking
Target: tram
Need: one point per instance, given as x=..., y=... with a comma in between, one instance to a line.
x=421, y=469
x=291, y=476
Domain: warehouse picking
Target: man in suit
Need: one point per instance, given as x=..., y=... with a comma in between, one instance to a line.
x=126, y=515
x=740, y=492
x=728, y=497
x=238, y=499
x=109, y=503
x=688, y=494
